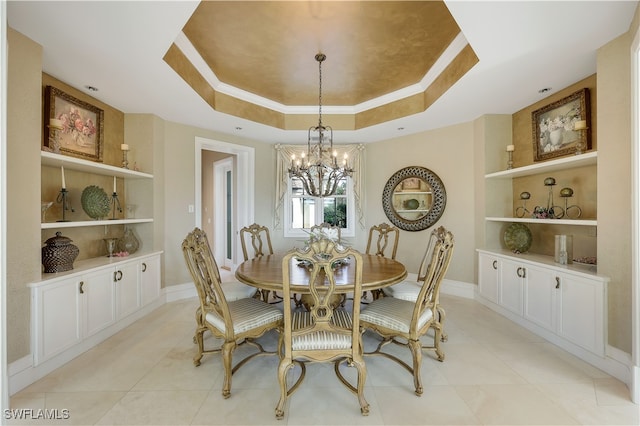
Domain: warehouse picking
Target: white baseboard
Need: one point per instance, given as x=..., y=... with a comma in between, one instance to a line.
x=634, y=387
x=458, y=288
x=179, y=292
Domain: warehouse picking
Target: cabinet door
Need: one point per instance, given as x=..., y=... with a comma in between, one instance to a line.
x=149, y=279
x=127, y=289
x=540, y=297
x=488, y=274
x=512, y=275
x=99, y=300
x=58, y=324
x=581, y=312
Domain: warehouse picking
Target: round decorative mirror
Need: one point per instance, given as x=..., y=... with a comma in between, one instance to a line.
x=414, y=198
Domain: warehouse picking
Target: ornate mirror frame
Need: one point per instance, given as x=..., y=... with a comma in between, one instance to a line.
x=436, y=194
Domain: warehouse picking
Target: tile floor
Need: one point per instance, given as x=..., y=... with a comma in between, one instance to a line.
x=494, y=373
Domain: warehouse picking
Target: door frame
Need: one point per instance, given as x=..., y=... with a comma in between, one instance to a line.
x=244, y=179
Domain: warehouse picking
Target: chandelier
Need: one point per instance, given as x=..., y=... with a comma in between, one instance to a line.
x=319, y=170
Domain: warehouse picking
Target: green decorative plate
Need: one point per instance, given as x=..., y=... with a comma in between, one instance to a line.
x=95, y=202
x=518, y=238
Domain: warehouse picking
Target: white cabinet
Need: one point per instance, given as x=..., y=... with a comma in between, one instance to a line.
x=488, y=271
x=127, y=286
x=149, y=279
x=563, y=303
x=56, y=318
x=96, y=289
x=74, y=310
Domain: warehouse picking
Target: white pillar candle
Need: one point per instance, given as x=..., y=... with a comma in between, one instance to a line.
x=64, y=184
x=124, y=147
x=114, y=184
x=510, y=148
x=55, y=123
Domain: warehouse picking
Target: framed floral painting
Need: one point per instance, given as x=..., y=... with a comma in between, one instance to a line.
x=79, y=125
x=554, y=127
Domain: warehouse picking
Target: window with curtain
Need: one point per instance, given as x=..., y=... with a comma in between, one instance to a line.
x=297, y=211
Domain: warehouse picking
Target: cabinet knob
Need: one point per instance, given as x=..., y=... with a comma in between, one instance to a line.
x=117, y=275
x=495, y=264
x=144, y=267
x=80, y=287
x=557, y=282
x=521, y=272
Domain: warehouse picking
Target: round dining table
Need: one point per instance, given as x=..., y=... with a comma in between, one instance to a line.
x=265, y=273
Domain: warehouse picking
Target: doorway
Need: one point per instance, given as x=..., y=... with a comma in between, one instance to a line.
x=241, y=188
x=223, y=211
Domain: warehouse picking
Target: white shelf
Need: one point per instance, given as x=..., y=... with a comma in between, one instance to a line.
x=72, y=163
x=564, y=163
x=576, y=222
x=85, y=223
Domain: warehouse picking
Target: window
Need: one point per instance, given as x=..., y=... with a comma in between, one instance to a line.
x=304, y=211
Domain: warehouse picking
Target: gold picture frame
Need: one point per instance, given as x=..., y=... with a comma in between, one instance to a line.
x=553, y=127
x=82, y=132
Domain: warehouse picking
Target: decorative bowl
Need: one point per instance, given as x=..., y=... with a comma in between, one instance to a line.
x=518, y=238
x=411, y=204
x=525, y=195
x=566, y=192
x=95, y=202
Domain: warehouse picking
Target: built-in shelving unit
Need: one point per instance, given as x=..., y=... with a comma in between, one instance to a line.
x=71, y=163
x=575, y=222
x=564, y=163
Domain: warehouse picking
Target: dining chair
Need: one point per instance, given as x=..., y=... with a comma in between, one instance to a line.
x=329, y=230
x=385, y=236
x=410, y=289
x=236, y=322
x=261, y=243
x=403, y=322
x=326, y=332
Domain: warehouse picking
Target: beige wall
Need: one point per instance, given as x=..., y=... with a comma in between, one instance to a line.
x=614, y=185
x=24, y=118
x=449, y=153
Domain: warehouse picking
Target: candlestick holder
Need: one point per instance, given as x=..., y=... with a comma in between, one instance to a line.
x=63, y=199
x=510, y=161
x=54, y=139
x=116, y=205
x=125, y=162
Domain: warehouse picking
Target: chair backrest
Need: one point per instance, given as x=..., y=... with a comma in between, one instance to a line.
x=259, y=235
x=441, y=249
x=322, y=258
x=327, y=229
x=434, y=236
x=384, y=233
x=206, y=277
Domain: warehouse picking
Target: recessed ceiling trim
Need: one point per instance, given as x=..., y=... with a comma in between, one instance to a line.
x=190, y=52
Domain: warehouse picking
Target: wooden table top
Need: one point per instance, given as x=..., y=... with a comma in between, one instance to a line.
x=266, y=273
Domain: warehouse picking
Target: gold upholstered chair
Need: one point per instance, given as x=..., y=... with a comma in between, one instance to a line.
x=403, y=322
x=326, y=332
x=260, y=239
x=235, y=322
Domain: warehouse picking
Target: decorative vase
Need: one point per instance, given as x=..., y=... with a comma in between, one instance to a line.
x=58, y=254
x=556, y=136
x=129, y=242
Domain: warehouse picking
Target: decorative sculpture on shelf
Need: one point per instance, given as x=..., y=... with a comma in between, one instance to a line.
x=576, y=211
x=522, y=210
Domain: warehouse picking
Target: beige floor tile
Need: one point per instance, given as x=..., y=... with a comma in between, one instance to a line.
x=243, y=407
x=513, y=405
x=439, y=405
x=471, y=364
x=155, y=408
x=611, y=391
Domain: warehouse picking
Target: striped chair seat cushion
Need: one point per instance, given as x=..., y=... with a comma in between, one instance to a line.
x=321, y=340
x=393, y=313
x=405, y=290
x=235, y=290
x=246, y=314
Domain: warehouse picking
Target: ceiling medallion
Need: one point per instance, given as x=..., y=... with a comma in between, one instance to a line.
x=319, y=170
